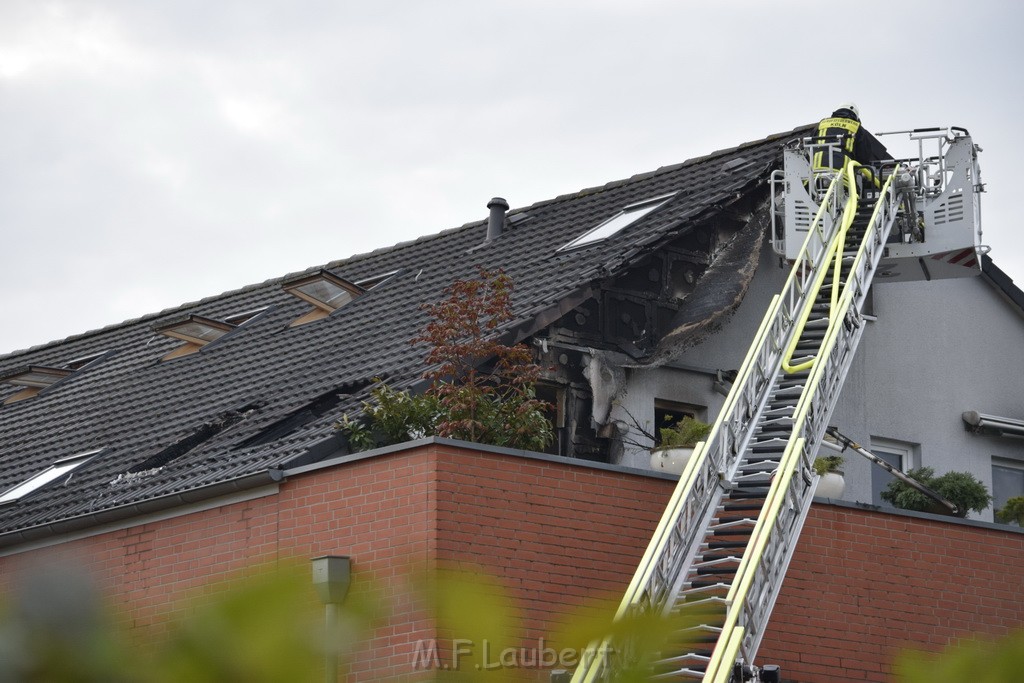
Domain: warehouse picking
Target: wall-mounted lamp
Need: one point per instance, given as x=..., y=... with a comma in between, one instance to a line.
x=332, y=576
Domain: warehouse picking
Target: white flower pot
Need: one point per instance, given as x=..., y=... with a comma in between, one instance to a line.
x=830, y=485
x=671, y=460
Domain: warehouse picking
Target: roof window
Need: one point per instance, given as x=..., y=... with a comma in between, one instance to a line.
x=196, y=331
x=32, y=380
x=369, y=283
x=79, y=363
x=326, y=291
x=629, y=215
x=57, y=470
x=239, y=319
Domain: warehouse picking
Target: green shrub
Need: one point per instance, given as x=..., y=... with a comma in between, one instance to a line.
x=684, y=434
x=961, y=488
x=828, y=463
x=391, y=417
x=1012, y=511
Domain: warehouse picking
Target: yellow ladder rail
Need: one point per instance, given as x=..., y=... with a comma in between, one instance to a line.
x=789, y=466
x=701, y=482
x=835, y=252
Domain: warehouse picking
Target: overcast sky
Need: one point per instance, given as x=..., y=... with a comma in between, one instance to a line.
x=153, y=153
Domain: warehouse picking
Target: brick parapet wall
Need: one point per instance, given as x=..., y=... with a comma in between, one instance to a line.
x=380, y=511
x=556, y=534
x=862, y=586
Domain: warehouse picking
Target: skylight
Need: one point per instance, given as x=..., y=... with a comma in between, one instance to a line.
x=57, y=470
x=371, y=282
x=196, y=331
x=79, y=363
x=326, y=291
x=33, y=379
x=629, y=215
x=239, y=319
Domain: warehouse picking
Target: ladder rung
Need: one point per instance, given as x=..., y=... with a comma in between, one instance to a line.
x=711, y=568
x=732, y=525
x=695, y=674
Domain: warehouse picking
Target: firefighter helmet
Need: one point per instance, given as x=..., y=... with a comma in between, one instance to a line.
x=850, y=106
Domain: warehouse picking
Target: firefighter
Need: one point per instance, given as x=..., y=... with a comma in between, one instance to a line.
x=845, y=125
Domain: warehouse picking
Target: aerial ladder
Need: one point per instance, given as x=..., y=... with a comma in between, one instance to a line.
x=719, y=555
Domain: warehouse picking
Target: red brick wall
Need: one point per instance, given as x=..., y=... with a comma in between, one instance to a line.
x=862, y=585
x=379, y=511
x=556, y=534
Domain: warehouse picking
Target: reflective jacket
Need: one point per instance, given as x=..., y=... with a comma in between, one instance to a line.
x=847, y=130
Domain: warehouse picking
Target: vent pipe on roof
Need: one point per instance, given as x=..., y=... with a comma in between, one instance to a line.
x=496, y=221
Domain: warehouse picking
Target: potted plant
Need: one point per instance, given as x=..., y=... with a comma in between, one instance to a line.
x=960, y=488
x=831, y=482
x=677, y=444
x=1012, y=511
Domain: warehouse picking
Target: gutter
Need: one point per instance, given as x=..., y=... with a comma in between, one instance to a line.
x=145, y=507
x=1002, y=283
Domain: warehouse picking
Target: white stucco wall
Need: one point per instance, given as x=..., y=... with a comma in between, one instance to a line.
x=937, y=349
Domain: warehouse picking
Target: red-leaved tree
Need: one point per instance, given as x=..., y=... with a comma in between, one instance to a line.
x=486, y=388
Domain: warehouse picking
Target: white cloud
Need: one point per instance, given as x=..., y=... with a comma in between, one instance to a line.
x=250, y=139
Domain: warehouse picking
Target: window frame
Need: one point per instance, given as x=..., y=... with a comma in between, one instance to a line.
x=602, y=231
x=321, y=309
x=1006, y=464
x=684, y=409
x=909, y=458
x=28, y=388
x=59, y=468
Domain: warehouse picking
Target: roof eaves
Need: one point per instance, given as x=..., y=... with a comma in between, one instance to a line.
x=1002, y=283
x=79, y=522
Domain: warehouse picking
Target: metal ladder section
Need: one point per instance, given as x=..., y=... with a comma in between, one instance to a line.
x=720, y=552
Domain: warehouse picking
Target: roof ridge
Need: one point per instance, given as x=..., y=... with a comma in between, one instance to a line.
x=355, y=258
x=573, y=195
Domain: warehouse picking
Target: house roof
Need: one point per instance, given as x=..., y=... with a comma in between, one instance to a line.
x=265, y=394
x=1002, y=283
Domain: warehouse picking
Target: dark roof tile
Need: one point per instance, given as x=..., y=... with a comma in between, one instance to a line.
x=135, y=406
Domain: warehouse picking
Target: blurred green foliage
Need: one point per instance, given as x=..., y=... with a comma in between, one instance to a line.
x=974, y=661
x=265, y=627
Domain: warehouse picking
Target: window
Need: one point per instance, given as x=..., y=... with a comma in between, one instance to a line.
x=371, y=282
x=326, y=291
x=239, y=319
x=79, y=363
x=196, y=331
x=58, y=469
x=898, y=454
x=32, y=380
x=619, y=221
x=1007, y=481
x=670, y=413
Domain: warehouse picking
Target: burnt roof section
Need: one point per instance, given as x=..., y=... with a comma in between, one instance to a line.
x=285, y=386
